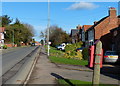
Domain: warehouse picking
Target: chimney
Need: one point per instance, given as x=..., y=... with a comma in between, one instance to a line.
x=79, y=27
x=112, y=12
x=95, y=22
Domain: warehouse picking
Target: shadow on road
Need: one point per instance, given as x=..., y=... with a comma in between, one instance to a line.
x=60, y=77
x=113, y=72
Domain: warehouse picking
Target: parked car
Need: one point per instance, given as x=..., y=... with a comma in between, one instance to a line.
x=61, y=47
x=80, y=49
x=110, y=57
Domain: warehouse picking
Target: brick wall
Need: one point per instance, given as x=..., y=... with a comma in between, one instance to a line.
x=11, y=45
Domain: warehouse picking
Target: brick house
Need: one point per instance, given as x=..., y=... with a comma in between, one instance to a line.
x=101, y=30
x=2, y=30
x=84, y=29
x=76, y=34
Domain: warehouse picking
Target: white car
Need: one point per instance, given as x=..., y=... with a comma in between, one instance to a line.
x=61, y=47
x=110, y=57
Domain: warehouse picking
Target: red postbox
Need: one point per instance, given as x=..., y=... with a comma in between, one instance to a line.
x=101, y=59
x=92, y=56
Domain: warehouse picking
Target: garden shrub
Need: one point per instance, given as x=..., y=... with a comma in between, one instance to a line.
x=5, y=47
x=70, y=51
x=85, y=53
x=79, y=55
x=55, y=52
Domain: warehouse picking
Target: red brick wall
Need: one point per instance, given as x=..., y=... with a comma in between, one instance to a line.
x=112, y=12
x=11, y=45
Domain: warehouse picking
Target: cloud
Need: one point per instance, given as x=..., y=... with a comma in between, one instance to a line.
x=82, y=5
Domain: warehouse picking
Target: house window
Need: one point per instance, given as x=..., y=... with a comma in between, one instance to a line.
x=115, y=33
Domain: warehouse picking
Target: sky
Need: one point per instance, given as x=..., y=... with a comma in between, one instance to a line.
x=66, y=15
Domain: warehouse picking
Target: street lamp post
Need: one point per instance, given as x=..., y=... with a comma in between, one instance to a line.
x=13, y=38
x=48, y=26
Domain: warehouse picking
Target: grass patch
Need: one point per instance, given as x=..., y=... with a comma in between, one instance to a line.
x=61, y=81
x=67, y=82
x=62, y=60
x=57, y=56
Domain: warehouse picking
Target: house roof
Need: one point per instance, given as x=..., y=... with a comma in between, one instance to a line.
x=2, y=29
x=79, y=27
x=86, y=27
x=118, y=16
x=98, y=23
x=74, y=32
x=118, y=28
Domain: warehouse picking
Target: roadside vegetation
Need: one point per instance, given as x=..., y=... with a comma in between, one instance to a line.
x=16, y=31
x=69, y=82
x=70, y=51
x=57, y=36
x=68, y=54
x=57, y=56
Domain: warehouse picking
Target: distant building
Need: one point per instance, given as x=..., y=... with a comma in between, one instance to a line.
x=2, y=30
x=83, y=32
x=37, y=43
x=76, y=34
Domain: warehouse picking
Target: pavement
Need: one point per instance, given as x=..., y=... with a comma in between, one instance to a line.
x=46, y=72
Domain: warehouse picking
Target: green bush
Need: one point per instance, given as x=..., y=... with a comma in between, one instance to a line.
x=5, y=47
x=69, y=48
x=79, y=55
x=73, y=47
x=70, y=51
x=85, y=53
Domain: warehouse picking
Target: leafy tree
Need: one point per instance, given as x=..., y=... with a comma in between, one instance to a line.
x=42, y=42
x=20, y=32
x=43, y=35
x=5, y=19
x=58, y=36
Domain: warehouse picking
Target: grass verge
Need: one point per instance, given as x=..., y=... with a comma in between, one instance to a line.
x=62, y=60
x=57, y=56
x=68, y=82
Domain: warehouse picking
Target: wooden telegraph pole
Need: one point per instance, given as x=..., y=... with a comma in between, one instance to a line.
x=96, y=72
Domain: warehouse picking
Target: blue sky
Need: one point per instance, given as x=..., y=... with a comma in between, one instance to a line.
x=66, y=15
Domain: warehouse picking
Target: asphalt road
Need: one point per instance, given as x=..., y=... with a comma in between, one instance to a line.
x=11, y=58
